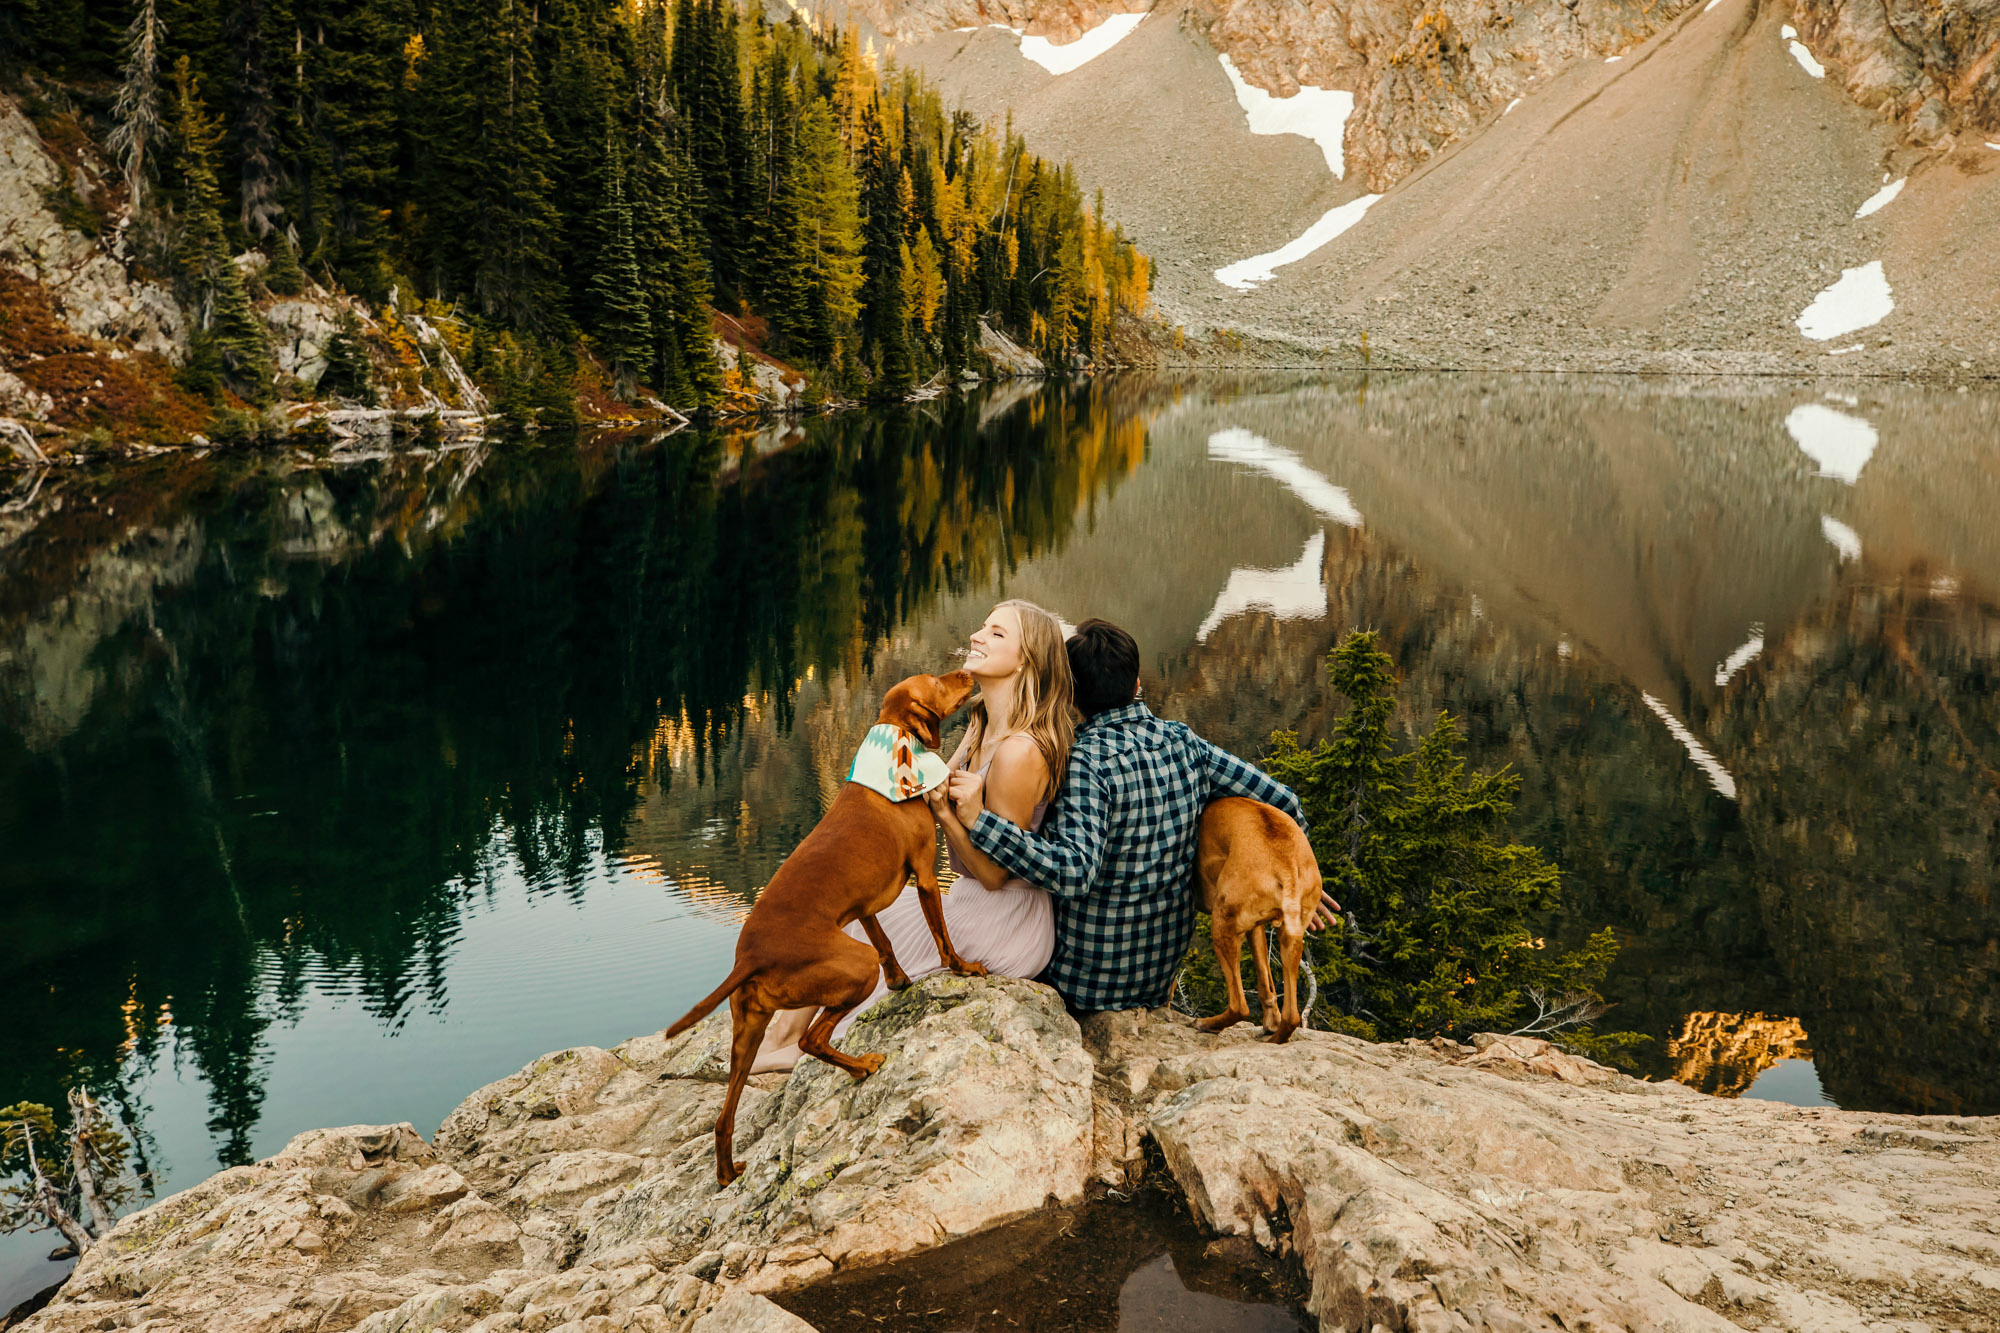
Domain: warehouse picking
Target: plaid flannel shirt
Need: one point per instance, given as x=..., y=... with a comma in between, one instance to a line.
x=1117, y=852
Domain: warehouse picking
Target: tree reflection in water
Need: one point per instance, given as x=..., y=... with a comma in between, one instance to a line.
x=272, y=750
x=271, y=731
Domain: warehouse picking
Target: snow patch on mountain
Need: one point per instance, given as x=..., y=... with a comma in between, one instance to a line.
x=1319, y=114
x=1880, y=199
x=1245, y=274
x=1862, y=297
x=1075, y=55
x=1801, y=54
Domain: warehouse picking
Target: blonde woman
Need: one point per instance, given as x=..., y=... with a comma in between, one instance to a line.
x=1017, y=736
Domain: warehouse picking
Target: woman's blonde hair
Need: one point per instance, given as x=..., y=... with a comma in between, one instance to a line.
x=1045, y=701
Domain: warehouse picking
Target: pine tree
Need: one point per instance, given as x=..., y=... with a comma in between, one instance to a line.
x=135, y=113
x=826, y=193
x=283, y=276
x=883, y=343
x=348, y=58
x=625, y=328
x=924, y=276
x=347, y=365
x=712, y=103
x=672, y=254
x=579, y=47
x=254, y=136
x=229, y=336
x=1438, y=903
x=491, y=226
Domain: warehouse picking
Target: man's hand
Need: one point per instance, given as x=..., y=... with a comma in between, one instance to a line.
x=1323, y=915
x=968, y=794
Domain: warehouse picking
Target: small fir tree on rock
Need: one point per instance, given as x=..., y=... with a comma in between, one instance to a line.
x=1438, y=935
x=227, y=341
x=347, y=364
x=283, y=276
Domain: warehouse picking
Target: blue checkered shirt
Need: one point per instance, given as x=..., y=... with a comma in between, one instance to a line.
x=1117, y=853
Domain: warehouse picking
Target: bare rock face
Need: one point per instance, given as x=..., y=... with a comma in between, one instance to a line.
x=1503, y=1185
x=1007, y=358
x=1510, y=1186
x=982, y=1115
x=1424, y=73
x=301, y=330
x=95, y=296
x=1934, y=68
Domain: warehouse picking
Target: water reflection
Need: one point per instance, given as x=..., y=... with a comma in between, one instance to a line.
x=286, y=745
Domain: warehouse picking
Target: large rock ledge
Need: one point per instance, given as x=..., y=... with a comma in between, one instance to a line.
x=1504, y=1187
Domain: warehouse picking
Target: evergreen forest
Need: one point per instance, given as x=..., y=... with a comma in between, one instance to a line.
x=575, y=190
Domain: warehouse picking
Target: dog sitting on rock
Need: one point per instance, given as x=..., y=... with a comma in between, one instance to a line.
x=792, y=953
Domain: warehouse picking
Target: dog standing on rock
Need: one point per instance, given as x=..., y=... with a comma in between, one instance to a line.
x=792, y=953
x=1256, y=867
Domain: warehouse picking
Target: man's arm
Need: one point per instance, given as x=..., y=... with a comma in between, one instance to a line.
x=1230, y=776
x=1064, y=857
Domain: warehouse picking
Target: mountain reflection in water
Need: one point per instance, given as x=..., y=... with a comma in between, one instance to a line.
x=329, y=792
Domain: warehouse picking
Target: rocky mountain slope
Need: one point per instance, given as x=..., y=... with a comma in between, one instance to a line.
x=1502, y=1186
x=1547, y=183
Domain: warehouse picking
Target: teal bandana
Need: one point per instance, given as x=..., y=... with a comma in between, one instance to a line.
x=895, y=763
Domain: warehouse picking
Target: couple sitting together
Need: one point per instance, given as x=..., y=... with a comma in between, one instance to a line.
x=1096, y=900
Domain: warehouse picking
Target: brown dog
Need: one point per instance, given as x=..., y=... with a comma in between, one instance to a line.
x=792, y=953
x=1256, y=867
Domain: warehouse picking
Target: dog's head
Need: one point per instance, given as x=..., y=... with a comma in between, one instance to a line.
x=922, y=703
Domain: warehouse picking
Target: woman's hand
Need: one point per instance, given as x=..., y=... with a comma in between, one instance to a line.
x=968, y=794
x=940, y=804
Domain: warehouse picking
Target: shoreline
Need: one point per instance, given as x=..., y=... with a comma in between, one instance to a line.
x=1503, y=1185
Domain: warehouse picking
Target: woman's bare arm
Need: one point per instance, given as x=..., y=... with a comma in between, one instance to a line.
x=1018, y=780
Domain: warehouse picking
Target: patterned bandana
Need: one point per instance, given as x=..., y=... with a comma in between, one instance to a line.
x=895, y=763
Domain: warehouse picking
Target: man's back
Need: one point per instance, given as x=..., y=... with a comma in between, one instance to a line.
x=1117, y=852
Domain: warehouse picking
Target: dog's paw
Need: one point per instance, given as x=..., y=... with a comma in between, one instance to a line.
x=727, y=1177
x=966, y=968
x=869, y=1064
x=1219, y=1021
x=899, y=982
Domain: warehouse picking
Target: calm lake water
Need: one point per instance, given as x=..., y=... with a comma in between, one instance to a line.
x=329, y=792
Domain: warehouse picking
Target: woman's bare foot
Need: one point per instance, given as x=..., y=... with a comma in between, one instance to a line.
x=775, y=1059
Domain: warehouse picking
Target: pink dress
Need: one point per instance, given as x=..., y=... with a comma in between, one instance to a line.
x=1011, y=929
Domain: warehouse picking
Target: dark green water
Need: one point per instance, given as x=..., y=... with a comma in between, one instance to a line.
x=329, y=792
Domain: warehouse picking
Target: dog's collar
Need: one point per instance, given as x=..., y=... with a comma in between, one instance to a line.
x=896, y=764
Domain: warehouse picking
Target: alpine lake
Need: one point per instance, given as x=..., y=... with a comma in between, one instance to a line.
x=334, y=785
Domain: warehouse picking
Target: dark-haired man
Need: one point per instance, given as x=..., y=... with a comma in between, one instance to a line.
x=1117, y=851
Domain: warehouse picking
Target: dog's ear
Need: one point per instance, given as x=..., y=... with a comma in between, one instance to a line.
x=922, y=703
x=905, y=706
x=925, y=723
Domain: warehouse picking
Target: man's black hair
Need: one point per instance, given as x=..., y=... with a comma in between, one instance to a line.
x=1105, y=662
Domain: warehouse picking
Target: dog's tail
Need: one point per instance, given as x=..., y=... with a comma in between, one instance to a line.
x=717, y=996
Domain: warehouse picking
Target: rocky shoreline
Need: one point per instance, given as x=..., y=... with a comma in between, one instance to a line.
x=1502, y=1186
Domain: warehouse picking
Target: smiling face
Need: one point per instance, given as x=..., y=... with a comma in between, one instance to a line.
x=922, y=703
x=995, y=647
